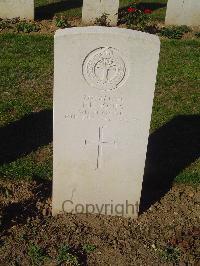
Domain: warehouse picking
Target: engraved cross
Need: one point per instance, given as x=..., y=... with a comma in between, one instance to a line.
x=100, y=143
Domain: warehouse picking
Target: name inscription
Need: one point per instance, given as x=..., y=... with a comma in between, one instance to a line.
x=99, y=107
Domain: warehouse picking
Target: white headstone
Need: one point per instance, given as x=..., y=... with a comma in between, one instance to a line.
x=93, y=9
x=183, y=12
x=103, y=96
x=17, y=8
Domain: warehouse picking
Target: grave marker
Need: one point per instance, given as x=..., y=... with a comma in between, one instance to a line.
x=103, y=96
x=183, y=12
x=17, y=8
x=95, y=9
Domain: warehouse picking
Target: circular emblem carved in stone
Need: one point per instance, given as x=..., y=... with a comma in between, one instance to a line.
x=104, y=69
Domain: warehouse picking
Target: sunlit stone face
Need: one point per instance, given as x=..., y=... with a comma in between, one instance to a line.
x=103, y=96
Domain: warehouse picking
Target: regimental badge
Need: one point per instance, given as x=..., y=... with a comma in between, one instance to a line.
x=104, y=69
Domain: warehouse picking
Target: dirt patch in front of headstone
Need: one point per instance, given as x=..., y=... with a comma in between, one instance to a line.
x=36, y=27
x=49, y=26
x=167, y=233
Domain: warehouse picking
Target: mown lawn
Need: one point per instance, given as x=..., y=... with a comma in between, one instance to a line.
x=71, y=8
x=26, y=84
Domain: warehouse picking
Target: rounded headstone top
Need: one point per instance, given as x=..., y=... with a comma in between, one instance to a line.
x=108, y=30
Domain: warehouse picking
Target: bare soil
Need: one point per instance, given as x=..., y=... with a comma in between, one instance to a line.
x=48, y=26
x=167, y=234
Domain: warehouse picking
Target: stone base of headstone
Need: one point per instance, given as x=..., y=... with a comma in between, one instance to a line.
x=17, y=8
x=183, y=12
x=94, y=9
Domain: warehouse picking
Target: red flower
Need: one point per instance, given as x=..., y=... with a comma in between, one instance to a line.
x=147, y=11
x=131, y=9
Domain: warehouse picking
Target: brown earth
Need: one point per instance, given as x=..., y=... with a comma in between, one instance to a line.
x=49, y=27
x=167, y=234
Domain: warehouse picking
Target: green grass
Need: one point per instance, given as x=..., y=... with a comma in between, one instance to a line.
x=25, y=63
x=65, y=255
x=67, y=11
x=39, y=3
x=26, y=66
x=178, y=86
x=26, y=82
x=158, y=12
x=37, y=255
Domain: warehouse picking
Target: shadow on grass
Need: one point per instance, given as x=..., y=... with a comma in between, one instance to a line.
x=49, y=11
x=26, y=135
x=152, y=6
x=171, y=149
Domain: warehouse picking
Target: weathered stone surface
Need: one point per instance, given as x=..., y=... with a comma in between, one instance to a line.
x=17, y=8
x=95, y=9
x=103, y=96
x=183, y=12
